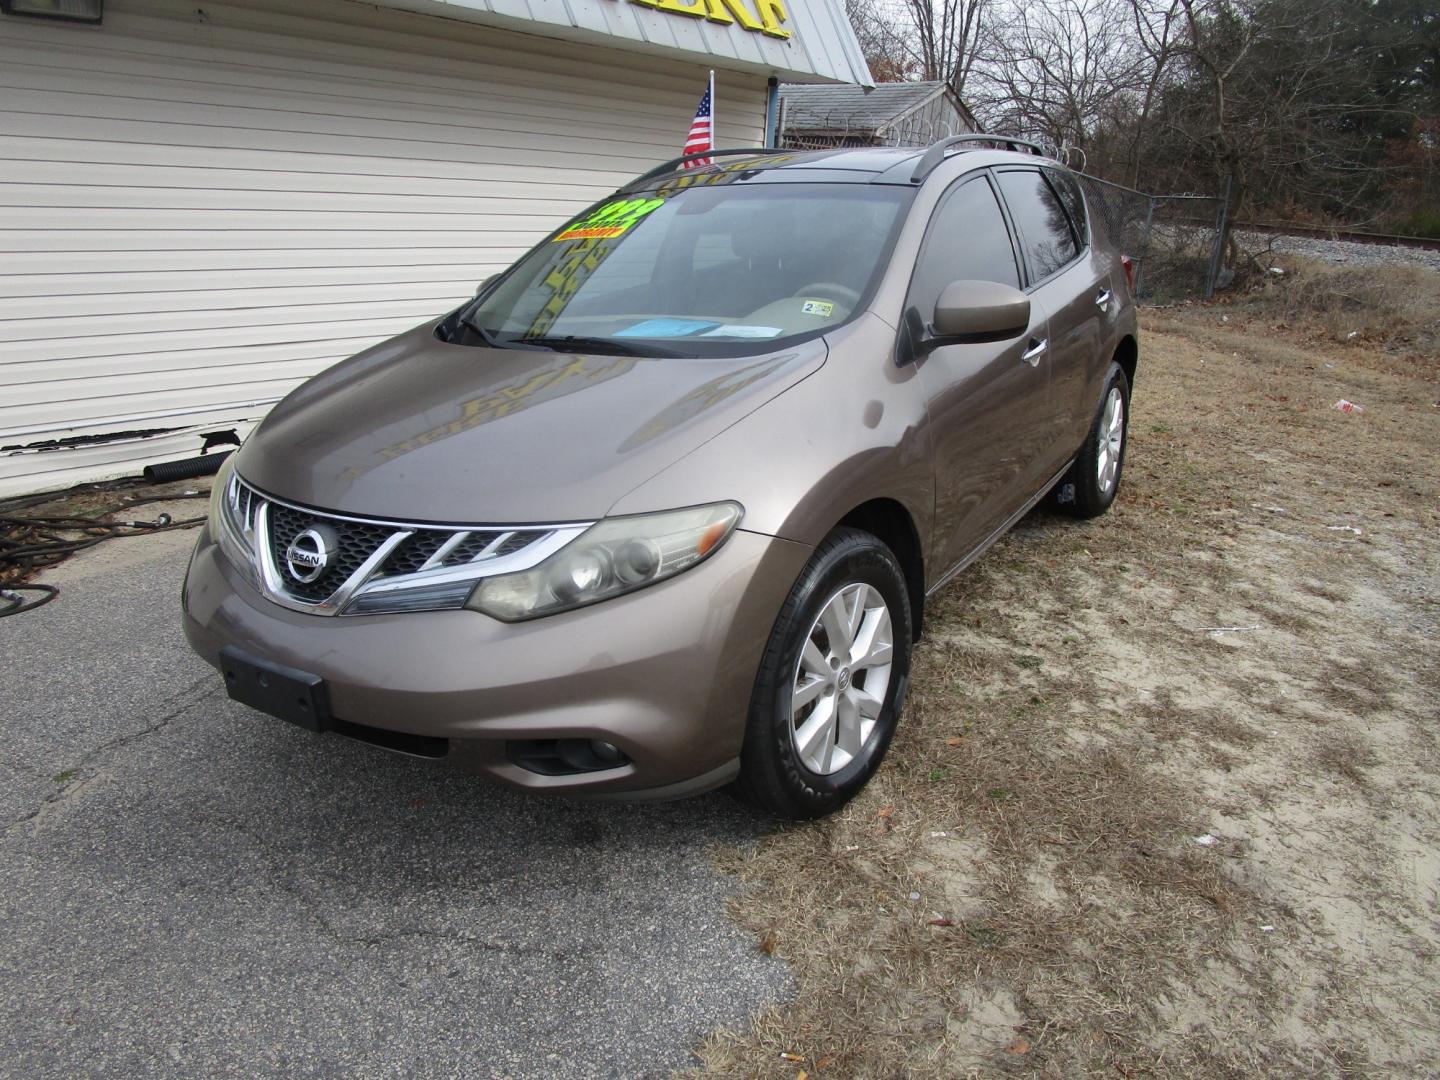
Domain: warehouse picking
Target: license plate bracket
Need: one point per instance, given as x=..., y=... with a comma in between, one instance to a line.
x=283, y=692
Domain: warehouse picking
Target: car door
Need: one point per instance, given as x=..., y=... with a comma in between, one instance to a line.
x=1063, y=278
x=986, y=401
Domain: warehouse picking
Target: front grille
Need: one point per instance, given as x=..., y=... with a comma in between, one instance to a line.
x=421, y=554
x=356, y=544
x=414, y=553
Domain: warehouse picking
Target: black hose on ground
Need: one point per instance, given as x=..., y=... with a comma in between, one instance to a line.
x=204, y=465
x=29, y=544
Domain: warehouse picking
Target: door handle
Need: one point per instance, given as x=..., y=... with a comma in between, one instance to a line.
x=1102, y=299
x=1037, y=349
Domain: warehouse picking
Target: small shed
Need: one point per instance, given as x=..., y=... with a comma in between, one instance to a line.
x=815, y=117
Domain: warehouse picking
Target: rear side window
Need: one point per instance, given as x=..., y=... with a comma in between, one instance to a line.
x=1068, y=188
x=1045, y=230
x=968, y=241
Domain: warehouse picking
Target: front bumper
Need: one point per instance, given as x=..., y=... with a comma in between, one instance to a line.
x=664, y=674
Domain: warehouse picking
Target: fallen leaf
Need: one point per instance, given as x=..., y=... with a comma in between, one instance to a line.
x=942, y=922
x=768, y=941
x=802, y=1075
x=1019, y=1046
x=790, y=1057
x=886, y=812
x=953, y=742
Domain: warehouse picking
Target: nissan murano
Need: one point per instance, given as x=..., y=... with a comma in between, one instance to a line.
x=658, y=510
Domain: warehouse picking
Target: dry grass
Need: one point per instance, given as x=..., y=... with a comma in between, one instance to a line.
x=1394, y=305
x=1021, y=890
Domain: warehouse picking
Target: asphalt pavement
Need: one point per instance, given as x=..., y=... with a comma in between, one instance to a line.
x=189, y=888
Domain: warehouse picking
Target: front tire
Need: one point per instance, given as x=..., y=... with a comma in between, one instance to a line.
x=831, y=681
x=1094, y=479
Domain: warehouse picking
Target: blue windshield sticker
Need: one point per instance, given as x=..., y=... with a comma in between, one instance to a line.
x=667, y=328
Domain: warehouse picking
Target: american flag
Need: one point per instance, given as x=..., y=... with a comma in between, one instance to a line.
x=702, y=128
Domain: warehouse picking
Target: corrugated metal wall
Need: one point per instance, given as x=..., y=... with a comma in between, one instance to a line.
x=200, y=207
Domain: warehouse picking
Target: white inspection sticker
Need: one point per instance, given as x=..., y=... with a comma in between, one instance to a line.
x=823, y=308
x=744, y=332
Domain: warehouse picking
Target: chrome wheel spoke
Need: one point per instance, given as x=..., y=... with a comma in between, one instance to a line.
x=873, y=644
x=866, y=704
x=816, y=734
x=807, y=692
x=848, y=731
x=836, y=620
x=813, y=660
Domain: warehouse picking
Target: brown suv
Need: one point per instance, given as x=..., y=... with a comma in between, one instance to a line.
x=659, y=509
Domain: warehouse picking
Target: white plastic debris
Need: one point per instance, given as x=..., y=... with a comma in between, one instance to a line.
x=1206, y=840
x=1267, y=928
x=1347, y=406
x=1345, y=528
x=1352, y=335
x=914, y=896
x=1276, y=271
x=939, y=834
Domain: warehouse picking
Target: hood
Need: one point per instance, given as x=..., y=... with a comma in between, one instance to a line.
x=420, y=430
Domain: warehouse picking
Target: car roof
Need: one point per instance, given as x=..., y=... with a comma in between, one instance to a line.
x=908, y=166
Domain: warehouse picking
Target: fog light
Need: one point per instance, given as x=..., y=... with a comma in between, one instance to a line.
x=606, y=752
x=565, y=757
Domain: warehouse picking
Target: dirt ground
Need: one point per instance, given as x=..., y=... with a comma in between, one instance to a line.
x=1165, y=800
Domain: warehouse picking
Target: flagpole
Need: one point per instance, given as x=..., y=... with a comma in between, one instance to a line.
x=714, y=126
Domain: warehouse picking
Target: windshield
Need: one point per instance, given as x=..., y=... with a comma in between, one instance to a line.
x=695, y=271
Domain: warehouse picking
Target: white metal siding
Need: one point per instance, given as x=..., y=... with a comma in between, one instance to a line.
x=200, y=208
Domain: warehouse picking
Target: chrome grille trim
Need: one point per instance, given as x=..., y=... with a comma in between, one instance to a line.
x=247, y=520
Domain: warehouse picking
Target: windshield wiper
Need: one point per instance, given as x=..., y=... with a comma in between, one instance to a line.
x=495, y=343
x=603, y=345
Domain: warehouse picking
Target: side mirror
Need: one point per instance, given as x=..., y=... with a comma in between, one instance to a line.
x=979, y=311
x=485, y=284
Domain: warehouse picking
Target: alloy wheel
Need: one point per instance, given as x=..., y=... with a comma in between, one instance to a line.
x=841, y=679
x=1111, y=440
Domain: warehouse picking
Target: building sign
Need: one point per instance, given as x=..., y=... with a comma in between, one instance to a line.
x=766, y=16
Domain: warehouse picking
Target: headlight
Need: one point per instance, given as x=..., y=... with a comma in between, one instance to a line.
x=615, y=556
x=219, y=491
x=232, y=520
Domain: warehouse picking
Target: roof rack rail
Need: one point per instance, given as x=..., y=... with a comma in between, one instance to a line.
x=675, y=163
x=935, y=152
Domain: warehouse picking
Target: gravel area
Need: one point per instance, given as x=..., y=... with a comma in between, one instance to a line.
x=1340, y=251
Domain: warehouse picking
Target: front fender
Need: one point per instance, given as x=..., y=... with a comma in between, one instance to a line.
x=853, y=431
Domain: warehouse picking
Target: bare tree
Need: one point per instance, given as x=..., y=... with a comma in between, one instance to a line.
x=946, y=37
x=886, y=40
x=1059, y=71
x=1157, y=24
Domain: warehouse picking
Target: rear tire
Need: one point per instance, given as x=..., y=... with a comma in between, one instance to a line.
x=831, y=681
x=1088, y=489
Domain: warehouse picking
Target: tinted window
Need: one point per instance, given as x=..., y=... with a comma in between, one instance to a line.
x=1068, y=188
x=1040, y=216
x=968, y=241
x=708, y=269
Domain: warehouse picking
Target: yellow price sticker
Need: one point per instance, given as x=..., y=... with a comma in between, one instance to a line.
x=609, y=221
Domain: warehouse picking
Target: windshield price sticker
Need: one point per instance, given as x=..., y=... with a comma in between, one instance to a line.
x=611, y=220
x=823, y=308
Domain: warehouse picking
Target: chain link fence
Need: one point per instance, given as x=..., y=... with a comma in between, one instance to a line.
x=1172, y=238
